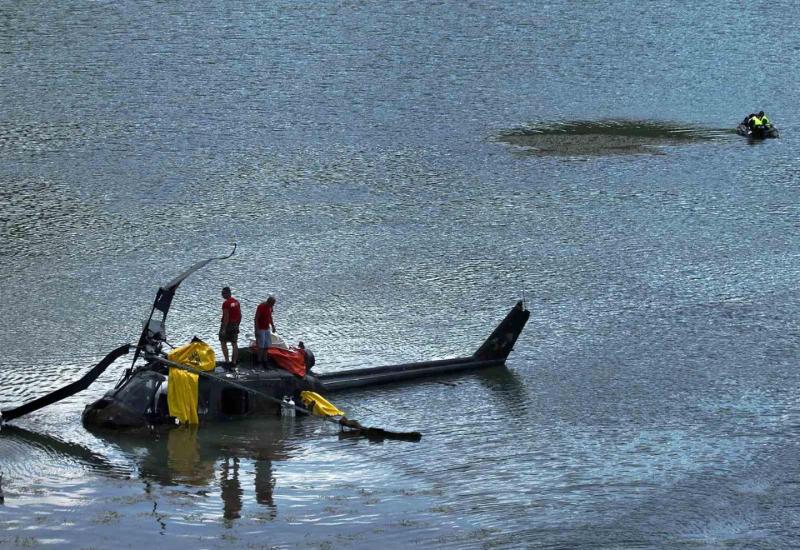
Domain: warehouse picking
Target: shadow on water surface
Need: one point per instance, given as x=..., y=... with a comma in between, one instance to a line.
x=606, y=137
x=507, y=387
x=58, y=450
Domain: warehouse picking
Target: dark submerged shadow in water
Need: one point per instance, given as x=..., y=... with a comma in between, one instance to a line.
x=210, y=457
x=606, y=137
x=508, y=388
x=58, y=449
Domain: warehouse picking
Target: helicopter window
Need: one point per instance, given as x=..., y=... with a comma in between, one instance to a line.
x=234, y=402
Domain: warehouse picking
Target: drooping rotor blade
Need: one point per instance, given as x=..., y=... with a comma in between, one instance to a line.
x=68, y=390
x=165, y=295
x=166, y=292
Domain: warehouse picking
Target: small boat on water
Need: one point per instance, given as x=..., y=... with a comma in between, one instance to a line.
x=757, y=129
x=761, y=132
x=140, y=397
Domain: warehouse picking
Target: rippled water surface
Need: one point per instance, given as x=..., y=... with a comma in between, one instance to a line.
x=399, y=175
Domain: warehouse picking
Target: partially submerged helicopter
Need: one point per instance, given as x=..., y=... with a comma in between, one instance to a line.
x=140, y=396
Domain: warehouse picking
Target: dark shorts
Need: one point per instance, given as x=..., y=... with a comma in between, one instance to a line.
x=230, y=333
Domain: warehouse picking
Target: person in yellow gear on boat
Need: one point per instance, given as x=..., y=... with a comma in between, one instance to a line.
x=764, y=120
x=756, y=121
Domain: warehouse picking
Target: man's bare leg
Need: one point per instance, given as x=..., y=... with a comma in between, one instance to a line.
x=225, y=350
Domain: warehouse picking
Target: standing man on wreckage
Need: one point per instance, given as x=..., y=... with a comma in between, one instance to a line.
x=263, y=323
x=229, y=326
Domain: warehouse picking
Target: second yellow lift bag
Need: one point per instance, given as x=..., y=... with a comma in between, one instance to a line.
x=182, y=387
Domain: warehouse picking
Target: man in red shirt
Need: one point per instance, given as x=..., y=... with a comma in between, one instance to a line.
x=263, y=322
x=229, y=327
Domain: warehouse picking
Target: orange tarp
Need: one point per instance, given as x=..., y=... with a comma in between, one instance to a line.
x=291, y=359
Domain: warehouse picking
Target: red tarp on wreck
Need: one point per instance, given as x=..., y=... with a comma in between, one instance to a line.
x=291, y=359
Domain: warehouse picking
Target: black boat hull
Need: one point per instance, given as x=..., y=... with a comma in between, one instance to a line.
x=762, y=132
x=140, y=398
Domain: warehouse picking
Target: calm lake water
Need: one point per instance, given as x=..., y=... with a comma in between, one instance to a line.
x=399, y=174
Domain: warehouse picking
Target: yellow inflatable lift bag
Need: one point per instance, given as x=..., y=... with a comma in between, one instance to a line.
x=182, y=386
x=318, y=405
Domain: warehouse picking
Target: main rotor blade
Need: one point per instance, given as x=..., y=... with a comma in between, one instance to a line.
x=173, y=284
x=166, y=293
x=68, y=390
x=376, y=434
